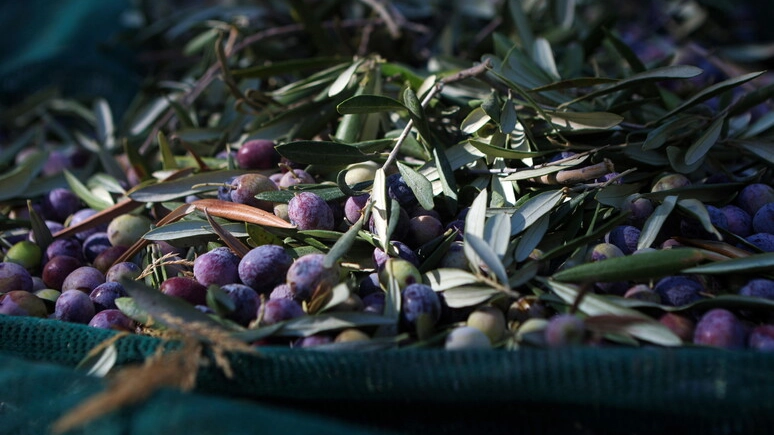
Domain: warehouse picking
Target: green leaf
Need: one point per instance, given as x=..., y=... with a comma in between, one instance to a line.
x=375, y=145
x=326, y=192
x=468, y=296
x=343, y=80
x=129, y=307
x=339, y=293
x=487, y=255
x=421, y=186
x=706, y=193
x=322, y=152
x=182, y=187
x=474, y=225
x=492, y=105
x=534, y=208
x=343, y=244
x=615, y=194
x=648, y=329
x=584, y=120
x=199, y=134
x=493, y=151
x=707, y=140
x=751, y=99
x=284, y=67
x=524, y=274
x=201, y=41
x=624, y=51
x=646, y=265
x=508, y=118
x=105, y=127
x=697, y=209
x=497, y=231
x=710, y=92
x=661, y=134
x=476, y=119
x=757, y=263
x=170, y=311
x=258, y=235
x=522, y=24
x=305, y=326
x=531, y=238
x=549, y=168
x=417, y=113
x=167, y=156
x=654, y=222
x=582, y=82
x=760, y=148
x=40, y=230
x=87, y=196
x=455, y=157
x=544, y=57
x=652, y=75
x=447, y=278
x=676, y=157
x=369, y=104
x=15, y=182
x=219, y=301
x=446, y=177
x=379, y=210
x=100, y=363
x=761, y=125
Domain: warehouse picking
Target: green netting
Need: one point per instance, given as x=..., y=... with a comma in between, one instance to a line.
x=70, y=46
x=578, y=390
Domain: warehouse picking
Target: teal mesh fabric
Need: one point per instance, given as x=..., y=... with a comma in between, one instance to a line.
x=69, y=45
x=580, y=390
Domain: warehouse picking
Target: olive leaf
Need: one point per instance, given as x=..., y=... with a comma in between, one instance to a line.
x=646, y=265
x=343, y=80
x=192, y=231
x=369, y=104
x=655, y=221
x=101, y=363
x=697, y=209
x=379, y=210
x=469, y=296
x=182, y=187
x=707, y=140
x=476, y=119
x=710, y=92
x=322, y=152
x=170, y=311
x=652, y=75
x=87, y=196
x=757, y=263
x=421, y=186
x=487, y=256
x=506, y=153
x=447, y=278
x=474, y=225
x=534, y=208
x=344, y=243
x=661, y=134
x=14, y=182
x=647, y=329
x=531, y=238
x=584, y=120
x=497, y=230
